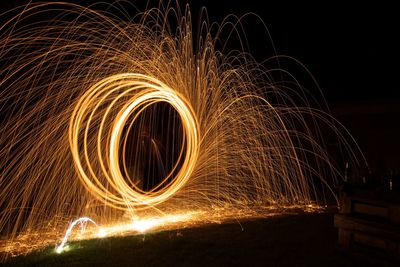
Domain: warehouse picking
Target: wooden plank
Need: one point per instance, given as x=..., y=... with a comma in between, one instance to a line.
x=370, y=234
x=370, y=207
x=384, y=230
x=372, y=210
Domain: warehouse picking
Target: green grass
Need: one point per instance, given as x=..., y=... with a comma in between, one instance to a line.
x=290, y=240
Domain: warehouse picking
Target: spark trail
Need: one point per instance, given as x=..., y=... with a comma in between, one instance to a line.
x=76, y=87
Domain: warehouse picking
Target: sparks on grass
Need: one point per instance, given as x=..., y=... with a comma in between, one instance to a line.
x=138, y=225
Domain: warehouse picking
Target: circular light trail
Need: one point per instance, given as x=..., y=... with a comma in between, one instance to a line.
x=99, y=119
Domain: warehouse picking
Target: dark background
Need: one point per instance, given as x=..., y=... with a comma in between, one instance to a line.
x=352, y=51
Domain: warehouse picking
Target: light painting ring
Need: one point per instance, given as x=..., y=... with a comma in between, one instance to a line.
x=142, y=90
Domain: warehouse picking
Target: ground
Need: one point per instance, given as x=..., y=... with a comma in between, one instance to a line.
x=289, y=240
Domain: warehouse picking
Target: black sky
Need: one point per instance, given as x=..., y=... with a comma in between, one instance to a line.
x=352, y=50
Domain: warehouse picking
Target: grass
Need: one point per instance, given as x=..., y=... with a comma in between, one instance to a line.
x=290, y=240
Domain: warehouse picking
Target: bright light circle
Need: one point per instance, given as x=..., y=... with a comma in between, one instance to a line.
x=95, y=132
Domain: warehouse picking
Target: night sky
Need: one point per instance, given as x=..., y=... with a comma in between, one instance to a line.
x=352, y=50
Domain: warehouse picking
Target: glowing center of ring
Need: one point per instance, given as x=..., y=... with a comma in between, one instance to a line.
x=95, y=132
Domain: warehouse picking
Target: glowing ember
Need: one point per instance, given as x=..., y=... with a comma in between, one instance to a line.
x=80, y=221
x=137, y=225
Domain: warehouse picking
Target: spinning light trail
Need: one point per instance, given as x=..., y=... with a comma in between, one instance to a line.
x=142, y=92
x=80, y=221
x=114, y=118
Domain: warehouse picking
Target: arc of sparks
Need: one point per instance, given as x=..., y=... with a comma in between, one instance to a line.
x=141, y=92
x=250, y=134
x=80, y=221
